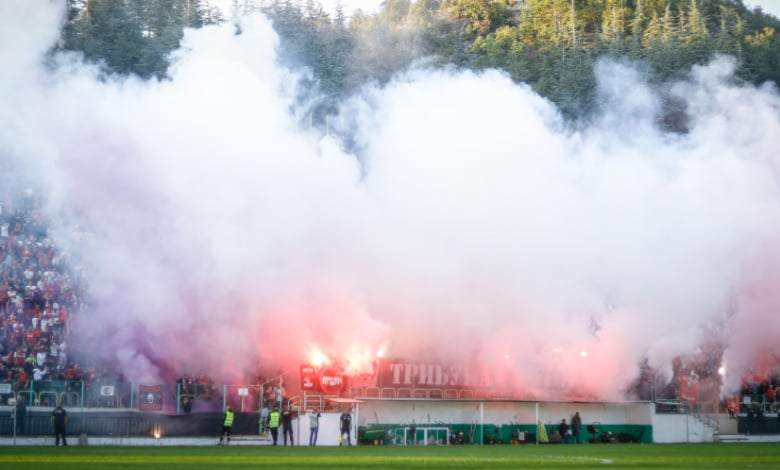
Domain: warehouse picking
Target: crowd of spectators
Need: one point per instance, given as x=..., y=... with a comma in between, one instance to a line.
x=760, y=394
x=191, y=388
x=39, y=292
x=42, y=290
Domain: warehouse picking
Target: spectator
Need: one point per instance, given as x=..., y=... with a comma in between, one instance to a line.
x=563, y=431
x=186, y=404
x=576, y=426
x=204, y=385
x=265, y=414
x=187, y=386
x=314, y=426
x=279, y=395
x=777, y=396
x=287, y=425
x=732, y=406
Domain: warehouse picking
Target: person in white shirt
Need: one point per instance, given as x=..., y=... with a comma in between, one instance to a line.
x=314, y=426
x=40, y=357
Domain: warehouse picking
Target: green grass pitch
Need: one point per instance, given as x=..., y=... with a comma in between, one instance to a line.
x=650, y=456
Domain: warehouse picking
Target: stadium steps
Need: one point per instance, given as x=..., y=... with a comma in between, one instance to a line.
x=250, y=440
x=729, y=438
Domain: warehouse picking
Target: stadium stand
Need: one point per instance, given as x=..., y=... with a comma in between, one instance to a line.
x=42, y=289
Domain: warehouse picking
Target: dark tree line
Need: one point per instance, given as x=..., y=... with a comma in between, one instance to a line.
x=132, y=36
x=550, y=44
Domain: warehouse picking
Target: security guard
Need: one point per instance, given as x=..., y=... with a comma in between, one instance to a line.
x=273, y=424
x=227, y=424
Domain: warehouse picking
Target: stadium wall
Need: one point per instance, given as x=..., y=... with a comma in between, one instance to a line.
x=384, y=421
x=492, y=421
x=129, y=423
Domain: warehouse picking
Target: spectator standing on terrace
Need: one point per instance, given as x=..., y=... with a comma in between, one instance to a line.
x=770, y=398
x=287, y=425
x=732, y=406
x=346, y=427
x=204, y=385
x=41, y=357
x=59, y=419
x=186, y=405
x=777, y=397
x=576, y=426
x=314, y=426
x=279, y=395
x=273, y=424
x=227, y=425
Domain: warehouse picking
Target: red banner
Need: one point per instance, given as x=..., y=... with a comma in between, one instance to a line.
x=394, y=373
x=331, y=381
x=328, y=380
x=308, y=378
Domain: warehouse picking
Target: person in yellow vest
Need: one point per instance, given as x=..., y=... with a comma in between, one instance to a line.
x=273, y=424
x=227, y=425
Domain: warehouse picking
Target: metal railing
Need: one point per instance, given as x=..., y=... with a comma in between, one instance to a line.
x=123, y=423
x=172, y=398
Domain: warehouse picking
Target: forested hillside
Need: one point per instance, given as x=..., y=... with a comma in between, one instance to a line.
x=550, y=44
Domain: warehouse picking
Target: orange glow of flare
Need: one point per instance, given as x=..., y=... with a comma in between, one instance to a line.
x=318, y=358
x=360, y=360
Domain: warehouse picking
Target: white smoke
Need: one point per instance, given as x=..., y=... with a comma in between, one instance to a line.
x=473, y=227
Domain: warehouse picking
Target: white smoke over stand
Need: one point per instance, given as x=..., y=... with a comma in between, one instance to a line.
x=474, y=228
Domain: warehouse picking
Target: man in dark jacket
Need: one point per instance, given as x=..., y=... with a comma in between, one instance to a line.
x=59, y=420
x=563, y=431
x=287, y=425
x=346, y=427
x=576, y=426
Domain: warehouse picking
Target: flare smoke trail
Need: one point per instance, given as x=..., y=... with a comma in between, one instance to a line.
x=473, y=227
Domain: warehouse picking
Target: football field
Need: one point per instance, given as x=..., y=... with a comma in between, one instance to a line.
x=655, y=456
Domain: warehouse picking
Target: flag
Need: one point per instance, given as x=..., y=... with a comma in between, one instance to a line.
x=542, y=432
x=151, y=397
x=689, y=387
